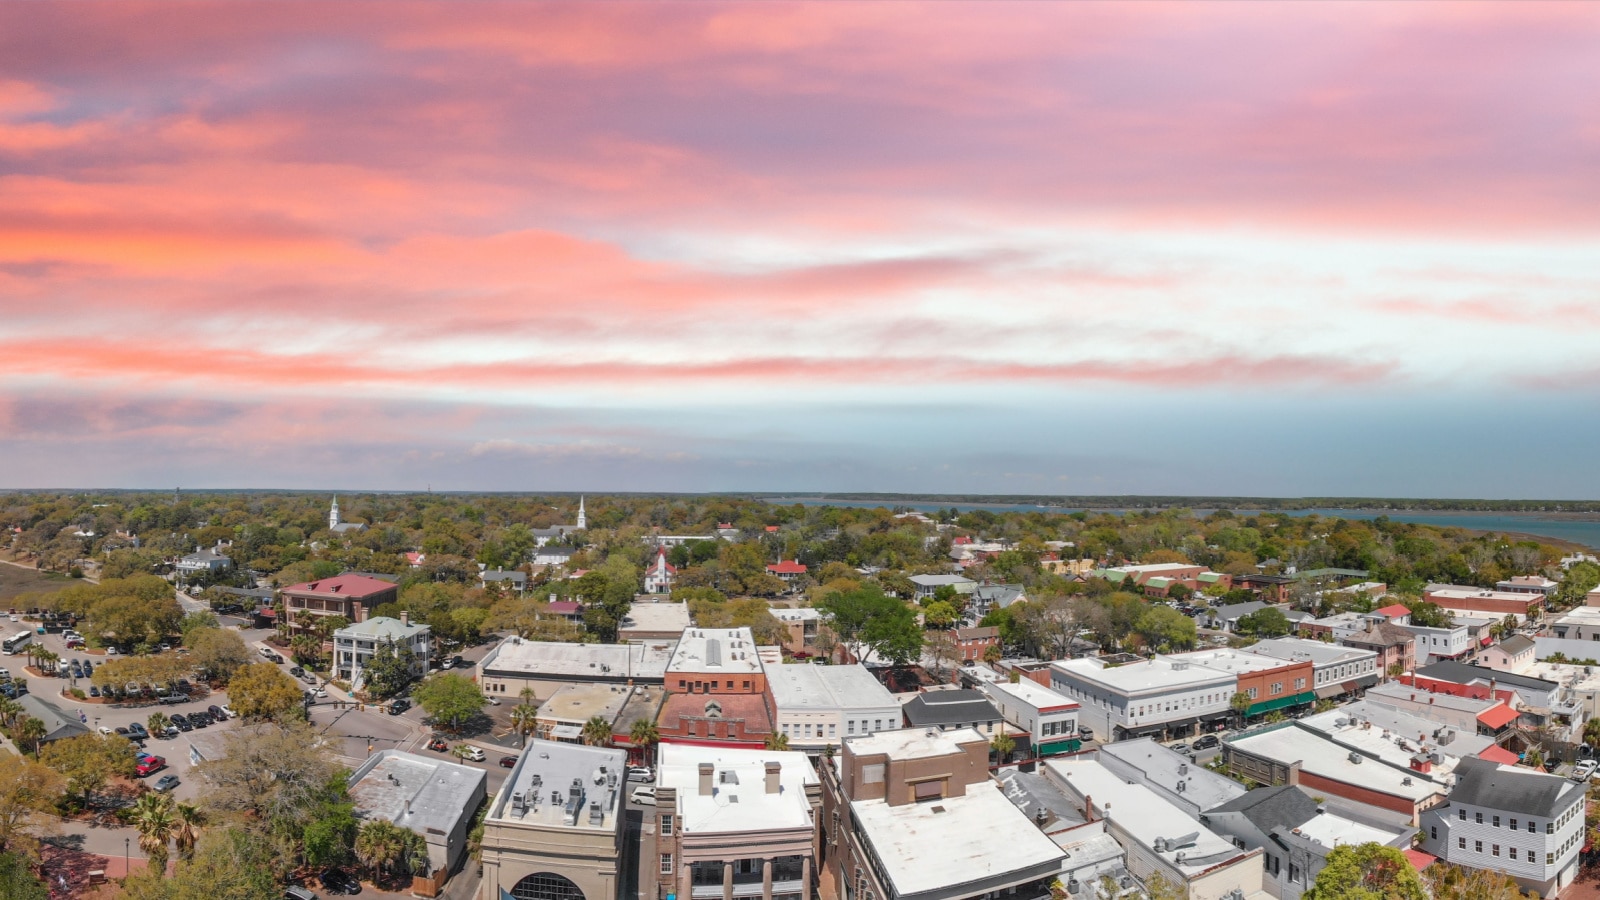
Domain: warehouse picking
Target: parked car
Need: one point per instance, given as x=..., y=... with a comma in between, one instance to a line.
x=297, y=893
x=166, y=783
x=438, y=746
x=447, y=664
x=1585, y=770
x=148, y=765
x=296, y=671
x=337, y=882
x=1206, y=742
x=182, y=721
x=509, y=762
x=1179, y=748
x=216, y=712
x=640, y=773
x=94, y=691
x=228, y=711
x=136, y=729
x=644, y=795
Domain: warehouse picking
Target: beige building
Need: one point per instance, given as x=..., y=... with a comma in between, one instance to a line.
x=554, y=831
x=734, y=823
x=913, y=815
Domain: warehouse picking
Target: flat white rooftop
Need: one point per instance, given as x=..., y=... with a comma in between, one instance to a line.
x=1160, y=827
x=802, y=614
x=1454, y=741
x=516, y=657
x=1330, y=830
x=415, y=792
x=1319, y=755
x=662, y=617
x=556, y=785
x=1033, y=694
x=577, y=703
x=1316, y=652
x=712, y=651
x=939, y=844
x=1235, y=662
x=1159, y=673
x=827, y=687
x=914, y=743
x=739, y=800
x=940, y=580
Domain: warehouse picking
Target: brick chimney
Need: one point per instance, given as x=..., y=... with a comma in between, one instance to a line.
x=772, y=776
x=405, y=617
x=708, y=773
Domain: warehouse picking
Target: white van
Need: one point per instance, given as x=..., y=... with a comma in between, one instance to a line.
x=644, y=795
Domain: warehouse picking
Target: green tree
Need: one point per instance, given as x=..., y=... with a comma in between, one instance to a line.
x=28, y=794
x=939, y=614
x=186, y=822
x=153, y=817
x=17, y=881
x=776, y=741
x=852, y=612
x=388, y=670
x=645, y=736
x=597, y=732
x=1447, y=882
x=523, y=719
x=1240, y=703
x=88, y=761
x=29, y=734
x=217, y=653
x=449, y=698
x=1428, y=615
x=894, y=635
x=1367, y=872
x=992, y=654
x=1265, y=623
x=227, y=864
x=386, y=847
x=264, y=691
x=1165, y=629
x=1003, y=744
x=329, y=839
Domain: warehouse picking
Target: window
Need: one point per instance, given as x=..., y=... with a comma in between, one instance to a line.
x=1531, y=827
x=666, y=825
x=1461, y=842
x=1251, y=693
x=1549, y=859
x=746, y=685
x=850, y=727
x=1479, y=817
x=546, y=886
x=1513, y=825
x=1512, y=852
x=1549, y=828
x=1462, y=814
x=1497, y=821
x=1294, y=873
x=1299, y=684
x=666, y=863
x=1277, y=688
x=1495, y=848
x=832, y=729
x=1433, y=832
x=1477, y=846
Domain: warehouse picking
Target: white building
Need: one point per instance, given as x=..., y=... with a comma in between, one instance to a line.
x=1581, y=623
x=659, y=578
x=1336, y=669
x=1528, y=584
x=1050, y=719
x=1172, y=775
x=545, y=666
x=338, y=525
x=1295, y=835
x=353, y=646
x=1159, y=838
x=818, y=706
x=425, y=794
x=1510, y=819
x=203, y=561
x=1155, y=696
x=928, y=585
x=1435, y=644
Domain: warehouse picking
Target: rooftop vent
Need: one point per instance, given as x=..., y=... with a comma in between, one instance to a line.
x=1355, y=758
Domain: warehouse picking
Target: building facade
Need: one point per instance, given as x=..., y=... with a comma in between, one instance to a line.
x=716, y=690
x=1049, y=719
x=350, y=596
x=1506, y=818
x=1166, y=696
x=819, y=706
x=354, y=645
x=554, y=831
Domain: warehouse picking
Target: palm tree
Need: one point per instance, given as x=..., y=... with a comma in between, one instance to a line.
x=152, y=816
x=523, y=719
x=1591, y=732
x=597, y=732
x=9, y=709
x=776, y=741
x=307, y=648
x=527, y=694
x=29, y=733
x=645, y=736
x=157, y=723
x=46, y=659
x=186, y=822
x=379, y=845
x=1003, y=744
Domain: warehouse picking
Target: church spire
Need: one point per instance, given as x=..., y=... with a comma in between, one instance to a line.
x=333, y=514
x=583, y=520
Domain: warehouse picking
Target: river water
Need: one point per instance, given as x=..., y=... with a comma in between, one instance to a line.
x=1576, y=530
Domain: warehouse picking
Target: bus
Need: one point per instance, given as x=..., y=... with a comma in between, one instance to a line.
x=16, y=642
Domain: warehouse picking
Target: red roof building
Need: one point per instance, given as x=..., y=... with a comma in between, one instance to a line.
x=787, y=569
x=1497, y=754
x=1395, y=611
x=351, y=596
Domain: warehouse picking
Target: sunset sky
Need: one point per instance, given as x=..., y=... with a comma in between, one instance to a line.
x=1072, y=248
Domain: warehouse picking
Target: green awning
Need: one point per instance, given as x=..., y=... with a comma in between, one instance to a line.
x=1281, y=702
x=1050, y=748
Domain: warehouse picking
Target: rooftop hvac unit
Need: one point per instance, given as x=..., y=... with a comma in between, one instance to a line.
x=596, y=814
x=1183, y=768
x=1355, y=758
x=537, y=779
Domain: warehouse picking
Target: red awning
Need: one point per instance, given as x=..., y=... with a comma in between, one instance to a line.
x=1486, y=641
x=1497, y=754
x=1498, y=717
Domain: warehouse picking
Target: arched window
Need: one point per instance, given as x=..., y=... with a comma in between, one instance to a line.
x=546, y=886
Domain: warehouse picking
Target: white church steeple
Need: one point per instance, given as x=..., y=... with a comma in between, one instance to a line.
x=333, y=515
x=583, y=520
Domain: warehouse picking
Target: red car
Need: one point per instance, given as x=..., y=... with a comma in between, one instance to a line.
x=438, y=746
x=509, y=762
x=150, y=764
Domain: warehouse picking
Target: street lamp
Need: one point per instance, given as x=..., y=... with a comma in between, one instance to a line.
x=125, y=863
